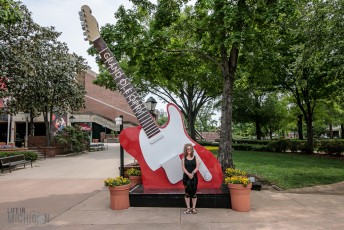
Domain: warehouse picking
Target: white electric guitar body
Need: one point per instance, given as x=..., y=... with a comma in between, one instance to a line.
x=164, y=150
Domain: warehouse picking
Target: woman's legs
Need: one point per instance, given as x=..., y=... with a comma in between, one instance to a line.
x=187, y=202
x=194, y=201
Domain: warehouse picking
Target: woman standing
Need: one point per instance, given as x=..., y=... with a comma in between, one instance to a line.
x=190, y=164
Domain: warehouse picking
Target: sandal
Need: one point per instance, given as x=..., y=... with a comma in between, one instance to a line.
x=187, y=211
x=194, y=211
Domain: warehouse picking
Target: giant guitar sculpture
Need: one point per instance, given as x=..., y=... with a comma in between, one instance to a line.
x=158, y=150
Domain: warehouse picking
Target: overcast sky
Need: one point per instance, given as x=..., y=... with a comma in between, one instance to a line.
x=63, y=15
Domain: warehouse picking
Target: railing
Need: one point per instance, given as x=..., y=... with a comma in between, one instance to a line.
x=199, y=135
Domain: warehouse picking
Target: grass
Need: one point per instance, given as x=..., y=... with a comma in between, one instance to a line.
x=288, y=170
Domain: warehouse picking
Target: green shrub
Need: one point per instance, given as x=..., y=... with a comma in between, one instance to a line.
x=28, y=155
x=262, y=148
x=279, y=145
x=296, y=145
x=207, y=143
x=243, y=147
x=251, y=147
x=331, y=147
x=253, y=142
x=73, y=138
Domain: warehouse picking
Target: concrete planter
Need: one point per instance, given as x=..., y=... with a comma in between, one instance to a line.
x=119, y=197
x=240, y=197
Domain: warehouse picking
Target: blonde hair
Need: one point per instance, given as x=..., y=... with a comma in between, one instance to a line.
x=185, y=150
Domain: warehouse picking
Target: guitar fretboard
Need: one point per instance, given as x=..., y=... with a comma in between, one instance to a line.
x=127, y=89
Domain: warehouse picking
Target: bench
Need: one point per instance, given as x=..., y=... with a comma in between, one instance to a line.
x=97, y=146
x=12, y=161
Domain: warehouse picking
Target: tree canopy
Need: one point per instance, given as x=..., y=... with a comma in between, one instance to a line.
x=38, y=70
x=278, y=47
x=159, y=50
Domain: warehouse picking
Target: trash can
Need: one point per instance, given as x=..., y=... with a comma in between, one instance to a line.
x=19, y=142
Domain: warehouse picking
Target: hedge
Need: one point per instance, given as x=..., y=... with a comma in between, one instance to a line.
x=328, y=147
x=332, y=147
x=253, y=142
x=28, y=155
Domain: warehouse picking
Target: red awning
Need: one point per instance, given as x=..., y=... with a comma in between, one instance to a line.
x=85, y=127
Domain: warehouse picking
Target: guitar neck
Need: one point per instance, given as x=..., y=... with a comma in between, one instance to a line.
x=134, y=100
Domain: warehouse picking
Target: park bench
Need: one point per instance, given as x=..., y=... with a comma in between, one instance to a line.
x=12, y=161
x=97, y=146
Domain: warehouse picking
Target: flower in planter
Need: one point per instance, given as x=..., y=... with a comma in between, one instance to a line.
x=234, y=172
x=118, y=181
x=236, y=176
x=133, y=172
x=244, y=180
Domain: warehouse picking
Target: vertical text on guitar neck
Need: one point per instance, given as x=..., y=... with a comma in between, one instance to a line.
x=128, y=91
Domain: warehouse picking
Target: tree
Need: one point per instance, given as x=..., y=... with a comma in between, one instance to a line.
x=266, y=110
x=162, y=117
x=46, y=81
x=9, y=11
x=142, y=35
x=205, y=121
x=225, y=28
x=73, y=138
x=327, y=114
x=312, y=60
x=10, y=14
x=212, y=30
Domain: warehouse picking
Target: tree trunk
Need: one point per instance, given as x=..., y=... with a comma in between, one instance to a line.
x=258, y=129
x=342, y=131
x=228, y=67
x=191, y=126
x=190, y=115
x=331, y=131
x=32, y=126
x=228, y=71
x=47, y=120
x=299, y=126
x=309, y=121
x=270, y=132
x=47, y=131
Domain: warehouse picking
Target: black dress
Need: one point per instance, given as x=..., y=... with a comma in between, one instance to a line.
x=190, y=166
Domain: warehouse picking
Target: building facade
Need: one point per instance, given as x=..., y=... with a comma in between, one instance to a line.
x=102, y=107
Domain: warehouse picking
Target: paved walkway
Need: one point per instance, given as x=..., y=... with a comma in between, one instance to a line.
x=68, y=192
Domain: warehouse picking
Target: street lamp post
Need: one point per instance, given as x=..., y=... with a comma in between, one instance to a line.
x=105, y=126
x=27, y=115
x=9, y=119
x=150, y=105
x=71, y=119
x=119, y=121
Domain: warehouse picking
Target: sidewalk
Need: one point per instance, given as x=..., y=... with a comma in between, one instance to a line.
x=68, y=192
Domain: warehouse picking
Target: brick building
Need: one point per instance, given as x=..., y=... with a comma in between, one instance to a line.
x=102, y=107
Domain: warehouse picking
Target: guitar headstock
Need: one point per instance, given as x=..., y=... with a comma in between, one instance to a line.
x=89, y=24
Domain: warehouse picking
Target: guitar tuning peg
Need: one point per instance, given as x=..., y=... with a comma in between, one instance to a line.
x=80, y=13
x=84, y=33
x=83, y=28
x=86, y=39
x=82, y=17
